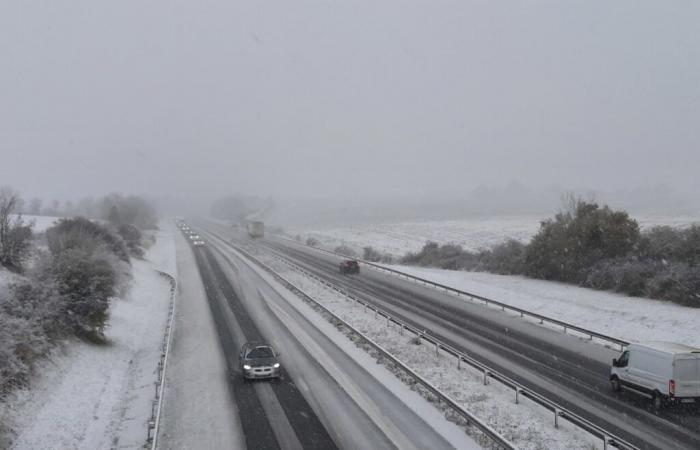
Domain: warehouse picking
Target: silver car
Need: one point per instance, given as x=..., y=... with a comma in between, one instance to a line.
x=259, y=360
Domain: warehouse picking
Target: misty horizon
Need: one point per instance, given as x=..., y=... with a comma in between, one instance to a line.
x=315, y=103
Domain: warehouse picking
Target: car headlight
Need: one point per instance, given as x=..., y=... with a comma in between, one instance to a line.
x=246, y=367
x=276, y=365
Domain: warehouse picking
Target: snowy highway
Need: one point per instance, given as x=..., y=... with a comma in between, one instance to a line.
x=332, y=394
x=562, y=367
x=566, y=369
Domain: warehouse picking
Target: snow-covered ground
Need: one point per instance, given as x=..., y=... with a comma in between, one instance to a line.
x=627, y=318
x=526, y=425
x=402, y=237
x=99, y=397
x=40, y=223
x=473, y=234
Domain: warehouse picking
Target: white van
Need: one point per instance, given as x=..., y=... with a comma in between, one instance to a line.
x=662, y=371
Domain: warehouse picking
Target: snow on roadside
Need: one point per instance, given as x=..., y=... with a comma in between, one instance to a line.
x=528, y=426
x=95, y=397
x=632, y=319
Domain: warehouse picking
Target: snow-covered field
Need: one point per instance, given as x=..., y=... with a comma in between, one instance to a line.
x=627, y=318
x=473, y=234
x=526, y=425
x=99, y=397
x=402, y=237
x=40, y=223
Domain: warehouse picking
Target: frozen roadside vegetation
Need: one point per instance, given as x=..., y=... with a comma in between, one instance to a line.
x=526, y=425
x=628, y=318
x=89, y=396
x=475, y=234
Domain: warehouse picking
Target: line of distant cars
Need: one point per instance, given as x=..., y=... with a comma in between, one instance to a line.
x=189, y=233
x=257, y=360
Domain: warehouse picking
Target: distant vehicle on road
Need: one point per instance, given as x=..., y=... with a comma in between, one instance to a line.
x=664, y=372
x=199, y=243
x=349, y=266
x=259, y=360
x=256, y=229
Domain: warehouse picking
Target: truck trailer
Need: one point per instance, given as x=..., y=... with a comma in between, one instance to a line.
x=256, y=229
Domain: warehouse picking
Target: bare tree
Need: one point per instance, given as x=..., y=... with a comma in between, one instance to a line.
x=14, y=233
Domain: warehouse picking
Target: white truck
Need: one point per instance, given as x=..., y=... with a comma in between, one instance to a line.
x=256, y=229
x=665, y=372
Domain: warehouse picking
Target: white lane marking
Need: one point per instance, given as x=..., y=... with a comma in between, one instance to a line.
x=284, y=432
x=366, y=403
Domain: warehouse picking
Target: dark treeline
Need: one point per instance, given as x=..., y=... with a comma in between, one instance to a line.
x=590, y=246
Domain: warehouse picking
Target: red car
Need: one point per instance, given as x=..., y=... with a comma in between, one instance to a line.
x=349, y=266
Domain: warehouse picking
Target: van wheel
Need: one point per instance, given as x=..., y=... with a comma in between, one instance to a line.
x=615, y=384
x=657, y=401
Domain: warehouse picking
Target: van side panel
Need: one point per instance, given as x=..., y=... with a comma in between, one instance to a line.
x=650, y=369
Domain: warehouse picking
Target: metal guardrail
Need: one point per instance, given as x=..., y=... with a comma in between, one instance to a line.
x=608, y=439
x=487, y=301
x=499, y=441
x=156, y=405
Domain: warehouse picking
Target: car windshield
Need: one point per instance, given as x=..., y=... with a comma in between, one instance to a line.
x=260, y=352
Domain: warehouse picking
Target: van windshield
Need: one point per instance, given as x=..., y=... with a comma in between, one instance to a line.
x=624, y=359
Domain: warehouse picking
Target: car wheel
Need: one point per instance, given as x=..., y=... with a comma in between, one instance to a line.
x=657, y=401
x=615, y=384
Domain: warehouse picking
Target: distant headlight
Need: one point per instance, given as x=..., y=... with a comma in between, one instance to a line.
x=276, y=365
x=246, y=367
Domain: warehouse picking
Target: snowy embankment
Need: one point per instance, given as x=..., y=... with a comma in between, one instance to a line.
x=629, y=318
x=94, y=397
x=527, y=425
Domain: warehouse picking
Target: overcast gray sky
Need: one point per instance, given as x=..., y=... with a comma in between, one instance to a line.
x=318, y=97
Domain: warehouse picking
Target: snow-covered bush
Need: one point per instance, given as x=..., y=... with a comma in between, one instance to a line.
x=626, y=275
x=29, y=322
x=132, y=210
x=507, y=258
x=87, y=266
x=447, y=256
x=85, y=234
x=133, y=238
x=567, y=245
x=15, y=235
x=87, y=281
x=371, y=254
x=345, y=251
